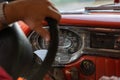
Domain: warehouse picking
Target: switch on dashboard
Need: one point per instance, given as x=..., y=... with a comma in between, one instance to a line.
x=117, y=43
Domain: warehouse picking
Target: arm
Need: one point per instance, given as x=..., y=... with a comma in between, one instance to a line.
x=32, y=13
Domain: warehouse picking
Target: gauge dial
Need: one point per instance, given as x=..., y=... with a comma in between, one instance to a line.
x=69, y=43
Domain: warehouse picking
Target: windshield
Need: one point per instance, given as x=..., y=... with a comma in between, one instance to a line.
x=72, y=5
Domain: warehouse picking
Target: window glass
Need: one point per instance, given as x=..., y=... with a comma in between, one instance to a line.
x=68, y=5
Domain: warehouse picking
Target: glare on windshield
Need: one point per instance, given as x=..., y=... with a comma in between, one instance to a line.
x=68, y=5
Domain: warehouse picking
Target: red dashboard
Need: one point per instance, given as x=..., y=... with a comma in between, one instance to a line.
x=92, y=63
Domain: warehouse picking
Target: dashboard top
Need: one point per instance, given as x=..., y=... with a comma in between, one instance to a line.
x=106, y=20
x=92, y=20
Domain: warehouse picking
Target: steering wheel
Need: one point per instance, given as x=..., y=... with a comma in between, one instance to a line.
x=16, y=55
x=52, y=50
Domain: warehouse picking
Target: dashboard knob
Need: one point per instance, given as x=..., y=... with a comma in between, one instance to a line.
x=87, y=67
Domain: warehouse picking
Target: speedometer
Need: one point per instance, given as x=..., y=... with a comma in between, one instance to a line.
x=70, y=43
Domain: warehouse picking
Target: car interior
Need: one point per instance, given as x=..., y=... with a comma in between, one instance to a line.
x=84, y=45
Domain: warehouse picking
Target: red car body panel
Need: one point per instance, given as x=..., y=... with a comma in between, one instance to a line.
x=116, y=1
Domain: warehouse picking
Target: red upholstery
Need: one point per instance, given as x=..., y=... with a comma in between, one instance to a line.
x=4, y=75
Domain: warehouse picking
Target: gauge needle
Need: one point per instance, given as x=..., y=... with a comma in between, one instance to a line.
x=41, y=53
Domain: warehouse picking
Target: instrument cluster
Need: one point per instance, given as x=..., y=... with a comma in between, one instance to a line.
x=71, y=43
x=77, y=41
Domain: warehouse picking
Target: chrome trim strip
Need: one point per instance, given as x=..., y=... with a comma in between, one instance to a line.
x=102, y=52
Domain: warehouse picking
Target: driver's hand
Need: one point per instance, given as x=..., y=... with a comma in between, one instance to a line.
x=32, y=12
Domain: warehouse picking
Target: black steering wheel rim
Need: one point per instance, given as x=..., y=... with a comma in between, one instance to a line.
x=52, y=50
